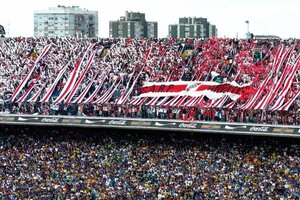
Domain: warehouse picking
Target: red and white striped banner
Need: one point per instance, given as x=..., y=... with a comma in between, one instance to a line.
x=152, y=102
x=93, y=95
x=73, y=76
x=26, y=93
x=190, y=101
x=106, y=100
x=210, y=103
x=72, y=93
x=106, y=93
x=49, y=92
x=24, y=81
x=122, y=100
x=289, y=80
x=69, y=85
x=142, y=101
x=163, y=101
x=181, y=100
x=287, y=105
x=190, y=93
x=286, y=87
x=212, y=90
x=126, y=95
x=36, y=95
x=197, y=102
x=278, y=103
x=85, y=91
x=44, y=52
x=277, y=56
x=230, y=105
x=172, y=101
x=219, y=103
x=134, y=101
x=272, y=93
x=251, y=102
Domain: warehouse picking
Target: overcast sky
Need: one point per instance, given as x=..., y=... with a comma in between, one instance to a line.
x=273, y=17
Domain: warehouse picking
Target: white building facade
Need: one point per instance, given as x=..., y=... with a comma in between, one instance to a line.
x=65, y=21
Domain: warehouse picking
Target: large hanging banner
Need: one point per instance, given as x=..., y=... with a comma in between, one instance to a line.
x=211, y=90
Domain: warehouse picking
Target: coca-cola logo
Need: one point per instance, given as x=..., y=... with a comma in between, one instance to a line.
x=50, y=120
x=184, y=125
x=259, y=129
x=114, y=122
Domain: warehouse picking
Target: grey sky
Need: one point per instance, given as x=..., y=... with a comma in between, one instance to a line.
x=276, y=17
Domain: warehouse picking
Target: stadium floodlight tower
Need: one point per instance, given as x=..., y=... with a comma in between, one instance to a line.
x=248, y=32
x=247, y=22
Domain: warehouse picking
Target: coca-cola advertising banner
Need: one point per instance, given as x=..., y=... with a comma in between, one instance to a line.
x=153, y=124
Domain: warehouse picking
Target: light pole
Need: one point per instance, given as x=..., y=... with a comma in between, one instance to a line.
x=247, y=22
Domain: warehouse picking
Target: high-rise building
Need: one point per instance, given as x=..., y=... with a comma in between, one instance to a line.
x=63, y=21
x=212, y=30
x=132, y=25
x=2, y=31
x=189, y=27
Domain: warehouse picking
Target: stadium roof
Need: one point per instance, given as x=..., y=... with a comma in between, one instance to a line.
x=266, y=37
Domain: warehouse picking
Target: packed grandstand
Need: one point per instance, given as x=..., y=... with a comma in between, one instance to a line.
x=72, y=163
x=191, y=79
x=228, y=80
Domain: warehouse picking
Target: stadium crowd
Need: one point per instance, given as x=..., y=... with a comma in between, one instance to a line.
x=36, y=76
x=96, y=164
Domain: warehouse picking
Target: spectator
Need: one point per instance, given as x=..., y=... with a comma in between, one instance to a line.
x=53, y=163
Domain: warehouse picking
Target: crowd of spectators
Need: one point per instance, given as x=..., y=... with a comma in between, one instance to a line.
x=118, y=62
x=60, y=163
